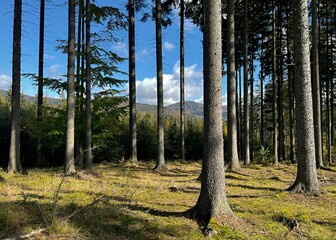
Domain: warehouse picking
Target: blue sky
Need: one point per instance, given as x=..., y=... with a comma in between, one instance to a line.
x=56, y=62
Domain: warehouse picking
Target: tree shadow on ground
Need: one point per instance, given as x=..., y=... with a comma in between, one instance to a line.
x=99, y=221
x=256, y=188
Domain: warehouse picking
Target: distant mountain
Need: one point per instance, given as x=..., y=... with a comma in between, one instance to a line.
x=32, y=99
x=191, y=108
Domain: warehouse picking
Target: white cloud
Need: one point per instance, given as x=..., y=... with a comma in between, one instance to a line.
x=48, y=57
x=54, y=69
x=168, y=46
x=147, y=88
x=121, y=48
x=5, y=81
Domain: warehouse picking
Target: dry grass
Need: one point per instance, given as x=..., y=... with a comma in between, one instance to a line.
x=133, y=202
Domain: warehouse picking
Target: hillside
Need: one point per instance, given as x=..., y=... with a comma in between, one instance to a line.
x=191, y=108
x=32, y=99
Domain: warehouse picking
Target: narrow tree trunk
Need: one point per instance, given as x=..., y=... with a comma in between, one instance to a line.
x=328, y=102
x=306, y=179
x=212, y=201
x=132, y=83
x=88, y=136
x=261, y=105
x=39, y=160
x=233, y=160
x=160, y=164
x=70, y=126
x=316, y=88
x=247, y=159
x=79, y=76
x=251, y=105
x=275, y=84
x=14, y=151
x=240, y=115
x=182, y=103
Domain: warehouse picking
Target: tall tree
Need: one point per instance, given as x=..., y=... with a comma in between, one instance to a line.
x=246, y=97
x=275, y=84
x=14, y=151
x=233, y=160
x=212, y=200
x=306, y=178
x=316, y=87
x=182, y=103
x=39, y=160
x=160, y=164
x=88, y=132
x=69, y=166
x=132, y=87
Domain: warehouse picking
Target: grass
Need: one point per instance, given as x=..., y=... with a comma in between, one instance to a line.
x=133, y=202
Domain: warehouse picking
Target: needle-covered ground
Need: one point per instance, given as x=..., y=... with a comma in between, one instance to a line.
x=131, y=201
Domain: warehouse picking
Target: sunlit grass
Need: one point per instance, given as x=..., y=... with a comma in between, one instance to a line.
x=131, y=201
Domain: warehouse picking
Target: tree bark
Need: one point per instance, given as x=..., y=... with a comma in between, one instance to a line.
x=212, y=201
x=306, y=179
x=132, y=82
x=69, y=166
x=247, y=159
x=233, y=160
x=316, y=88
x=14, y=164
x=275, y=84
x=88, y=132
x=160, y=164
x=182, y=100
x=39, y=160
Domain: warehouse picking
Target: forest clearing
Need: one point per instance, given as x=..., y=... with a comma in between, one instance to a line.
x=131, y=201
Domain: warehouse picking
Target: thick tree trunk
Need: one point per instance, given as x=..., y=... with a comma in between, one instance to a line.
x=316, y=88
x=233, y=160
x=212, y=201
x=69, y=166
x=251, y=106
x=132, y=86
x=247, y=159
x=39, y=160
x=14, y=151
x=182, y=104
x=275, y=94
x=88, y=132
x=306, y=179
x=261, y=106
x=160, y=164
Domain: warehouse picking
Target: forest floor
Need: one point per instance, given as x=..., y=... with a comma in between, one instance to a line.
x=131, y=201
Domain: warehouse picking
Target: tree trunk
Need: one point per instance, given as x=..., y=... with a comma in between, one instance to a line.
x=233, y=160
x=88, y=135
x=316, y=88
x=132, y=83
x=39, y=159
x=275, y=84
x=182, y=103
x=251, y=105
x=69, y=166
x=306, y=179
x=79, y=76
x=247, y=159
x=261, y=106
x=160, y=164
x=212, y=201
x=14, y=151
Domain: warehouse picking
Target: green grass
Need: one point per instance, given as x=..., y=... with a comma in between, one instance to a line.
x=133, y=202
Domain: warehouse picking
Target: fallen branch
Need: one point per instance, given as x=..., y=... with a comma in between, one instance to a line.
x=29, y=235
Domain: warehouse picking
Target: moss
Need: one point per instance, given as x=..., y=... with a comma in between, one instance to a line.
x=138, y=203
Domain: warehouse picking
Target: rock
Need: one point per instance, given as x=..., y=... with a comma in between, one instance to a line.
x=209, y=232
